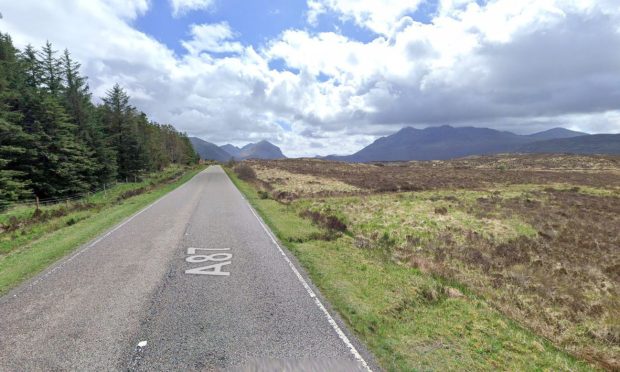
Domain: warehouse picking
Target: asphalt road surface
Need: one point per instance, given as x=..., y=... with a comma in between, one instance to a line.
x=193, y=282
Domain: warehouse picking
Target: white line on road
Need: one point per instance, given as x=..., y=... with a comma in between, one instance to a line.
x=318, y=303
x=79, y=252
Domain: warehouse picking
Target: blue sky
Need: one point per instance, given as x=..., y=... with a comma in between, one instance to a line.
x=255, y=22
x=330, y=76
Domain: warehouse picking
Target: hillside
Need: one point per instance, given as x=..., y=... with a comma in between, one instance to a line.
x=259, y=150
x=446, y=142
x=589, y=144
x=556, y=133
x=209, y=151
x=232, y=150
x=437, y=143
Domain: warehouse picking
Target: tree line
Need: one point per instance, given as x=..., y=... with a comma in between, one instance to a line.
x=55, y=142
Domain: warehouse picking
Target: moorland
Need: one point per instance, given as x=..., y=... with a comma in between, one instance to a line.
x=509, y=260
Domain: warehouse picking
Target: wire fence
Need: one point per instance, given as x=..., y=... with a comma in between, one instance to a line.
x=37, y=202
x=54, y=201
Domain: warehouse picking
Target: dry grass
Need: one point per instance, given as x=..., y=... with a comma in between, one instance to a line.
x=537, y=236
x=469, y=173
x=286, y=185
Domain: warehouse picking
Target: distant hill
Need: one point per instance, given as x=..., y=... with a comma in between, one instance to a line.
x=437, y=143
x=209, y=151
x=589, y=144
x=446, y=142
x=232, y=150
x=556, y=133
x=259, y=150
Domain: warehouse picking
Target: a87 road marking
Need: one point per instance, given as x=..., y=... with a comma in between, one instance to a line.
x=217, y=259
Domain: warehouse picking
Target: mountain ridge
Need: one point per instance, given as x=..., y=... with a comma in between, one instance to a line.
x=259, y=150
x=447, y=142
x=209, y=151
x=589, y=144
x=556, y=133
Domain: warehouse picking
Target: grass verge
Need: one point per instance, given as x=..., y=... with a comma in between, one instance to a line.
x=409, y=319
x=30, y=248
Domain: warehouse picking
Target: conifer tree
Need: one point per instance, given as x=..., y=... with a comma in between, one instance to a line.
x=54, y=142
x=121, y=124
x=51, y=71
x=13, y=141
x=12, y=184
x=77, y=100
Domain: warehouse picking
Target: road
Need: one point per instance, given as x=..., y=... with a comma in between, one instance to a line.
x=193, y=282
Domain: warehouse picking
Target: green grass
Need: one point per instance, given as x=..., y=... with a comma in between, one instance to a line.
x=410, y=320
x=413, y=215
x=30, y=250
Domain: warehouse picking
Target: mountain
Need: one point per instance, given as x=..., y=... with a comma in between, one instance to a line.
x=446, y=142
x=259, y=150
x=209, y=151
x=232, y=150
x=436, y=143
x=589, y=144
x=556, y=133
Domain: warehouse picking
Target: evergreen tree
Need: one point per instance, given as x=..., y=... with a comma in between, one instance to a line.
x=55, y=142
x=77, y=100
x=64, y=160
x=12, y=183
x=58, y=162
x=13, y=141
x=51, y=70
x=121, y=124
x=32, y=67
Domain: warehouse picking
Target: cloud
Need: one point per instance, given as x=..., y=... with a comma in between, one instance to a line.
x=213, y=38
x=378, y=17
x=522, y=66
x=180, y=7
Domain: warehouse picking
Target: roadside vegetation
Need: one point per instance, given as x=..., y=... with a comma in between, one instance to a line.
x=506, y=262
x=32, y=238
x=56, y=143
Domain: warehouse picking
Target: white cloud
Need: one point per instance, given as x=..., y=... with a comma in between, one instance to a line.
x=379, y=17
x=520, y=66
x=129, y=9
x=212, y=38
x=180, y=7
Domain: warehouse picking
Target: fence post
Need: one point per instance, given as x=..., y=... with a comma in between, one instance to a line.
x=105, y=193
x=37, y=199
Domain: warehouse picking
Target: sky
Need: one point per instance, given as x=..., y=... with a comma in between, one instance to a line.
x=319, y=77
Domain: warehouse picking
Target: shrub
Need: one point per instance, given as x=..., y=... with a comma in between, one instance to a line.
x=231, y=163
x=245, y=172
x=441, y=210
x=334, y=223
x=331, y=223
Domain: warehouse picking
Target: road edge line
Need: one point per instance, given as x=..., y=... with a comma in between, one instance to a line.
x=97, y=240
x=343, y=337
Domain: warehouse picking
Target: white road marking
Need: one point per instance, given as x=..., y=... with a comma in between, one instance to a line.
x=318, y=303
x=79, y=252
x=214, y=268
x=192, y=250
